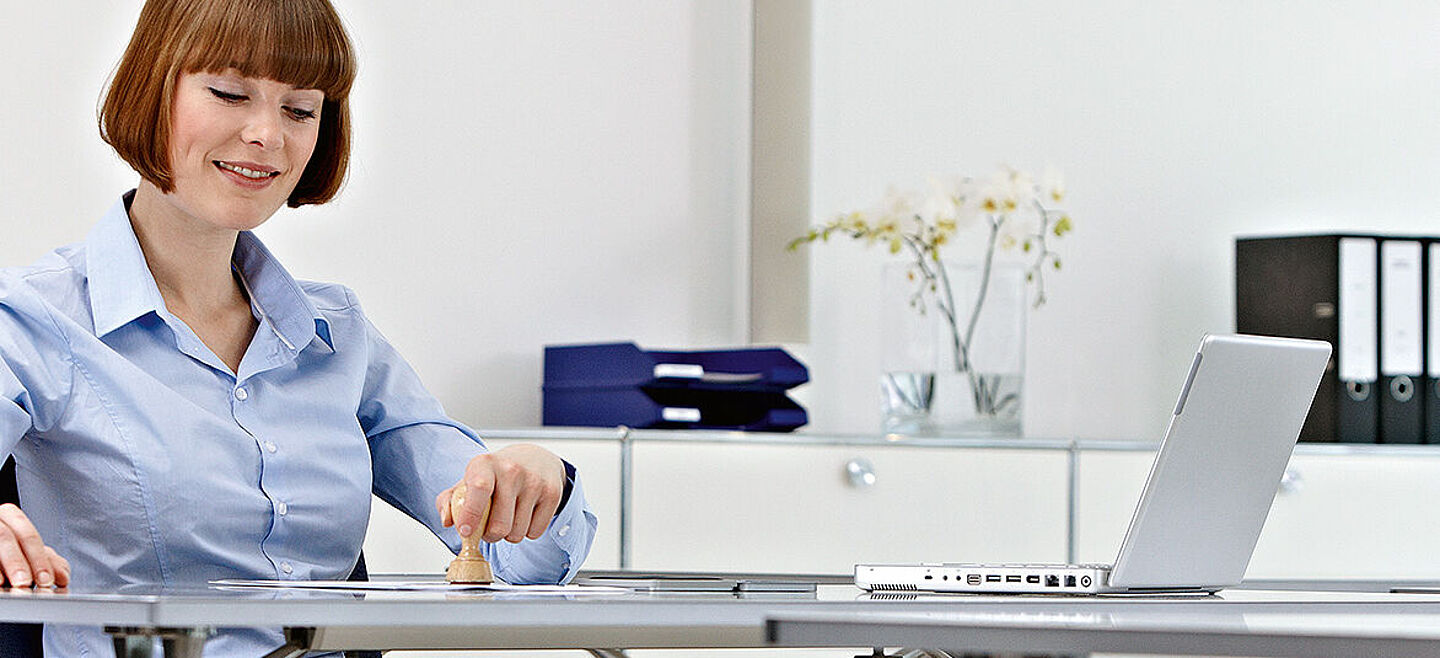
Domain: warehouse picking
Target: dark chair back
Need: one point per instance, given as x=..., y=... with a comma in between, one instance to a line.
x=20, y=640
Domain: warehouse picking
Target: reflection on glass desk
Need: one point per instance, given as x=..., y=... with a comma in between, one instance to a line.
x=1235, y=623
x=336, y=620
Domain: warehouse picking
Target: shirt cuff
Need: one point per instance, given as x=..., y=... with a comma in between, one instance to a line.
x=569, y=484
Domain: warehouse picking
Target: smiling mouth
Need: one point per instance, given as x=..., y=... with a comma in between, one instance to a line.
x=245, y=171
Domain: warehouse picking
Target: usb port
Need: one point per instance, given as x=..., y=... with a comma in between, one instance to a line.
x=1012, y=579
x=1052, y=581
x=993, y=578
x=1069, y=581
x=1033, y=580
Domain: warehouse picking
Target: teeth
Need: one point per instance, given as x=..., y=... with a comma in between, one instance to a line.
x=248, y=173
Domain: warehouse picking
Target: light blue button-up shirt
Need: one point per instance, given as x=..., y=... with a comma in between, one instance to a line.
x=143, y=459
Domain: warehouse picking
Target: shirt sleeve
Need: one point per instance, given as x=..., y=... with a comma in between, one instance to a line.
x=417, y=451
x=35, y=365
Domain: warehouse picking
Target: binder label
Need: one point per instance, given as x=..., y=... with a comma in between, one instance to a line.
x=680, y=414
x=678, y=371
x=1400, y=303
x=1432, y=340
x=1358, y=310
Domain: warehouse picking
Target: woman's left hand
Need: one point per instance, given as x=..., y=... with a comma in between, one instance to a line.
x=519, y=485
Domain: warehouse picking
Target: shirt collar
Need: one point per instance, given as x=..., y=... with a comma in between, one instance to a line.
x=122, y=288
x=278, y=295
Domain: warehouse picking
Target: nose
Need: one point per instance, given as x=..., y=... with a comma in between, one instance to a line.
x=263, y=128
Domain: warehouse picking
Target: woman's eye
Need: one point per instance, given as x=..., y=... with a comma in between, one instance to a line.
x=226, y=96
x=300, y=114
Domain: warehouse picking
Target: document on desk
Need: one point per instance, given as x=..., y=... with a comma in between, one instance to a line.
x=416, y=586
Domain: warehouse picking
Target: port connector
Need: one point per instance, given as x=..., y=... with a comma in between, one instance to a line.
x=1052, y=581
x=1069, y=581
x=992, y=578
x=1012, y=579
x=972, y=579
x=1032, y=579
x=929, y=577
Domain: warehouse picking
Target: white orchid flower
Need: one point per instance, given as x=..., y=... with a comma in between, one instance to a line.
x=1052, y=183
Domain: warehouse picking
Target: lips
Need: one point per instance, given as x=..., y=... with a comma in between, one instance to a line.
x=248, y=170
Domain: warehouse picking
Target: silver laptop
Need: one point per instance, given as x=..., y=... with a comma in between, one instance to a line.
x=1207, y=495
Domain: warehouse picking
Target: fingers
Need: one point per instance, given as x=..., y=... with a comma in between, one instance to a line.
x=442, y=505
x=520, y=487
x=479, y=486
x=61, y=567
x=25, y=560
x=545, y=509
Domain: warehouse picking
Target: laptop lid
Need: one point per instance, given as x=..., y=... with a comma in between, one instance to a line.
x=1220, y=463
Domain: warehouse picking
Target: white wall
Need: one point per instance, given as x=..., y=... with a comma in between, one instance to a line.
x=524, y=173
x=569, y=171
x=1179, y=125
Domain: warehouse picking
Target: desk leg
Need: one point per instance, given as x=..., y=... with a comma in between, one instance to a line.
x=134, y=642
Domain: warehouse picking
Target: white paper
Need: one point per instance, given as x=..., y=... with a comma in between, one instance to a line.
x=416, y=586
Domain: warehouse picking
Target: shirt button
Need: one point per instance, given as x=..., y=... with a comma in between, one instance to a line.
x=564, y=530
x=270, y=445
x=283, y=509
x=285, y=566
x=241, y=394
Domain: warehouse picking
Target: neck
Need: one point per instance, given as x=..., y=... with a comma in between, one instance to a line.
x=189, y=259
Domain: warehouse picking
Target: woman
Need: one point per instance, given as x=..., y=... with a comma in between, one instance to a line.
x=181, y=409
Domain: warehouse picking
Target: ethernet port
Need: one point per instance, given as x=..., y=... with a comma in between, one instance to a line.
x=1069, y=581
x=1052, y=581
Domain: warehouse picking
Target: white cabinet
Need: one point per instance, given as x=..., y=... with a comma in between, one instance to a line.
x=1342, y=512
x=1355, y=516
x=793, y=507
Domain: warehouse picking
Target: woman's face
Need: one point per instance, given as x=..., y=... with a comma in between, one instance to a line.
x=238, y=146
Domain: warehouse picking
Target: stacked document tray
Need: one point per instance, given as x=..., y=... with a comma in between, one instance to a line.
x=612, y=384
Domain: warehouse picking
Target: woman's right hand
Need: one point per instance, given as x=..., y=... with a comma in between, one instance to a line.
x=25, y=560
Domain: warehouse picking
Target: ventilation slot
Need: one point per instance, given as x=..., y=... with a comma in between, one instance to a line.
x=894, y=587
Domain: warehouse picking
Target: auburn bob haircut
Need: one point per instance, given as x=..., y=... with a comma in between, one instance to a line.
x=297, y=42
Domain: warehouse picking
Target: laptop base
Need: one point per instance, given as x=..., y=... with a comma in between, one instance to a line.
x=974, y=578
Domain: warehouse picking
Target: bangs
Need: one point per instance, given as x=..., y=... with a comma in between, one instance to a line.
x=302, y=44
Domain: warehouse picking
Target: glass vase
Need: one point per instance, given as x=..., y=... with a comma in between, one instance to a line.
x=954, y=359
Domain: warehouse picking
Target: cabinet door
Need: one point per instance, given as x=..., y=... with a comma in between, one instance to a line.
x=395, y=543
x=793, y=508
x=1108, y=485
x=1363, y=516
x=1367, y=516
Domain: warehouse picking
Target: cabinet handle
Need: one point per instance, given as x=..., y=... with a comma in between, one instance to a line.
x=1291, y=482
x=860, y=472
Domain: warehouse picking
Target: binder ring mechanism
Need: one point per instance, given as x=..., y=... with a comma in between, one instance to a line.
x=1358, y=391
x=1402, y=388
